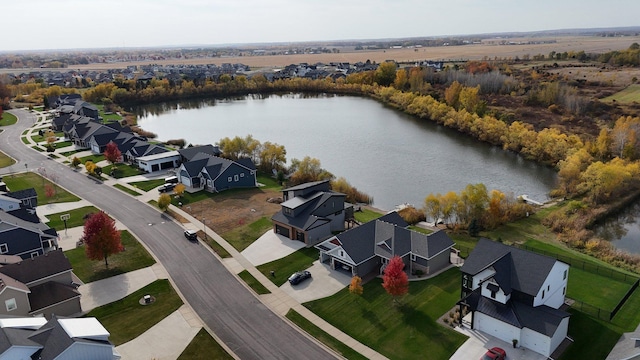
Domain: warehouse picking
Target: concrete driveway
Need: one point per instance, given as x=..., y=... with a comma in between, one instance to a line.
x=269, y=247
x=479, y=342
x=324, y=282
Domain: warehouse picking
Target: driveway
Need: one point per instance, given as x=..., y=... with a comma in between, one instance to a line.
x=324, y=282
x=479, y=342
x=269, y=247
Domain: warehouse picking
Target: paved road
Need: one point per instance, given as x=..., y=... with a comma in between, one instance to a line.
x=242, y=322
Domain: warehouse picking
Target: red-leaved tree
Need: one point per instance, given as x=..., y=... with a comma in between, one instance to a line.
x=49, y=190
x=395, y=281
x=101, y=238
x=112, y=153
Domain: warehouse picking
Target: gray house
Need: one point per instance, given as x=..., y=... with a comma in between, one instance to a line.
x=216, y=174
x=369, y=247
x=310, y=213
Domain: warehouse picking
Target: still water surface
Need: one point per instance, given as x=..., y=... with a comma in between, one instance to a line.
x=385, y=153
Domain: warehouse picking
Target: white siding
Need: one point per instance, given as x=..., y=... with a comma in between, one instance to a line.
x=561, y=333
x=553, y=287
x=535, y=341
x=8, y=205
x=481, y=276
x=500, y=296
x=18, y=353
x=495, y=327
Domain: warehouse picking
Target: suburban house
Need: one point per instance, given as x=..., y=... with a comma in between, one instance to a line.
x=311, y=212
x=216, y=174
x=28, y=197
x=189, y=152
x=515, y=295
x=44, y=285
x=56, y=339
x=23, y=237
x=369, y=247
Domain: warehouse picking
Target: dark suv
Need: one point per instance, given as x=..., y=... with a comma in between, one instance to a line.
x=191, y=235
x=298, y=277
x=166, y=188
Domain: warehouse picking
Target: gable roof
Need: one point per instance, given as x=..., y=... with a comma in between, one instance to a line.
x=39, y=267
x=22, y=194
x=8, y=221
x=518, y=269
x=50, y=293
x=189, y=152
x=305, y=185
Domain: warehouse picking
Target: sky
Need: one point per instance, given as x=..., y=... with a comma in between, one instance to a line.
x=71, y=24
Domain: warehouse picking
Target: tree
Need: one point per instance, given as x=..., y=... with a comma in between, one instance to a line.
x=90, y=166
x=401, y=81
x=179, y=189
x=50, y=137
x=49, y=190
x=272, y=157
x=75, y=162
x=452, y=94
x=164, y=201
x=306, y=170
x=394, y=280
x=355, y=287
x=433, y=208
x=112, y=153
x=385, y=74
x=101, y=238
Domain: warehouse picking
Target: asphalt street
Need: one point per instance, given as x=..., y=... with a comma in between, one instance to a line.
x=242, y=322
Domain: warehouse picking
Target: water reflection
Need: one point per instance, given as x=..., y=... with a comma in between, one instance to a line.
x=622, y=229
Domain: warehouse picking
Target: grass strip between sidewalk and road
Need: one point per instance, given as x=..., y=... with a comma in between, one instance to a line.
x=134, y=257
x=322, y=336
x=253, y=283
x=127, y=319
x=6, y=160
x=204, y=347
x=126, y=189
x=148, y=184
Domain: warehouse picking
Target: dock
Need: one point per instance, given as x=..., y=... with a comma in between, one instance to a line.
x=526, y=199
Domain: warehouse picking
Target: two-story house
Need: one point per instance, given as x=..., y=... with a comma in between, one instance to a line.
x=310, y=212
x=514, y=294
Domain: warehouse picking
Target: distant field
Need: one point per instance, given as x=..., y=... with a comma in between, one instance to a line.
x=590, y=44
x=627, y=96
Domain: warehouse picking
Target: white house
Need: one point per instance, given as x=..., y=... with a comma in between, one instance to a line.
x=160, y=161
x=514, y=294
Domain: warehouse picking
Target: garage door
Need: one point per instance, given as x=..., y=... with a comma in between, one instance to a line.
x=282, y=230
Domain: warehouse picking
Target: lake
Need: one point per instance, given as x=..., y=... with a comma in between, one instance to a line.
x=385, y=153
x=622, y=229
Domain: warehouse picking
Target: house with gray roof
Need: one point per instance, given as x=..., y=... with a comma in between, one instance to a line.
x=310, y=212
x=56, y=339
x=369, y=247
x=44, y=285
x=25, y=238
x=515, y=294
x=215, y=174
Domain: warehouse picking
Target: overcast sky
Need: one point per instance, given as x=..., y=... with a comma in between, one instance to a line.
x=55, y=24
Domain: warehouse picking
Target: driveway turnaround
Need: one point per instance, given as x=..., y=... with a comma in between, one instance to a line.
x=269, y=247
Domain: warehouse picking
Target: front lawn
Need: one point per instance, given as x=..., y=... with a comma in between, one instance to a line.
x=95, y=158
x=323, y=336
x=76, y=217
x=268, y=182
x=253, y=283
x=204, y=347
x=134, y=257
x=122, y=171
x=148, y=184
x=126, y=319
x=240, y=238
x=284, y=267
x=32, y=180
x=409, y=331
x=366, y=215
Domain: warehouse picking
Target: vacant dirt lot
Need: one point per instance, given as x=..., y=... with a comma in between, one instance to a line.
x=226, y=212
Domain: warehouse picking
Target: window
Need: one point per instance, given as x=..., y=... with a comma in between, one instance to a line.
x=11, y=304
x=4, y=248
x=493, y=294
x=242, y=175
x=543, y=294
x=565, y=275
x=34, y=254
x=235, y=178
x=413, y=257
x=564, y=291
x=548, y=287
x=229, y=179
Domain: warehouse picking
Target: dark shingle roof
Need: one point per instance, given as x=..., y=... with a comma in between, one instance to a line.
x=305, y=185
x=50, y=293
x=22, y=194
x=30, y=270
x=189, y=152
x=15, y=337
x=519, y=269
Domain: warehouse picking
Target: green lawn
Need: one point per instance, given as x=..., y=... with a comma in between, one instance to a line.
x=25, y=140
x=240, y=238
x=149, y=184
x=122, y=170
x=268, y=182
x=204, y=347
x=5, y=160
x=409, y=331
x=32, y=180
x=63, y=144
x=8, y=119
x=76, y=217
x=217, y=248
x=323, y=337
x=96, y=158
x=420, y=230
x=595, y=290
x=126, y=189
x=284, y=267
x=107, y=117
x=627, y=96
x=366, y=215
x=253, y=283
x=126, y=319
x=134, y=257
x=69, y=153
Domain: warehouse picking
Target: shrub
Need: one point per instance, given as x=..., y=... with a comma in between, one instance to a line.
x=412, y=215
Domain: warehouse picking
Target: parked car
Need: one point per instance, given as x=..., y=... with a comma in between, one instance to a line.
x=166, y=188
x=494, y=353
x=299, y=277
x=191, y=235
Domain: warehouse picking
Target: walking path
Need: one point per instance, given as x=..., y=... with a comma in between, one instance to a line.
x=168, y=338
